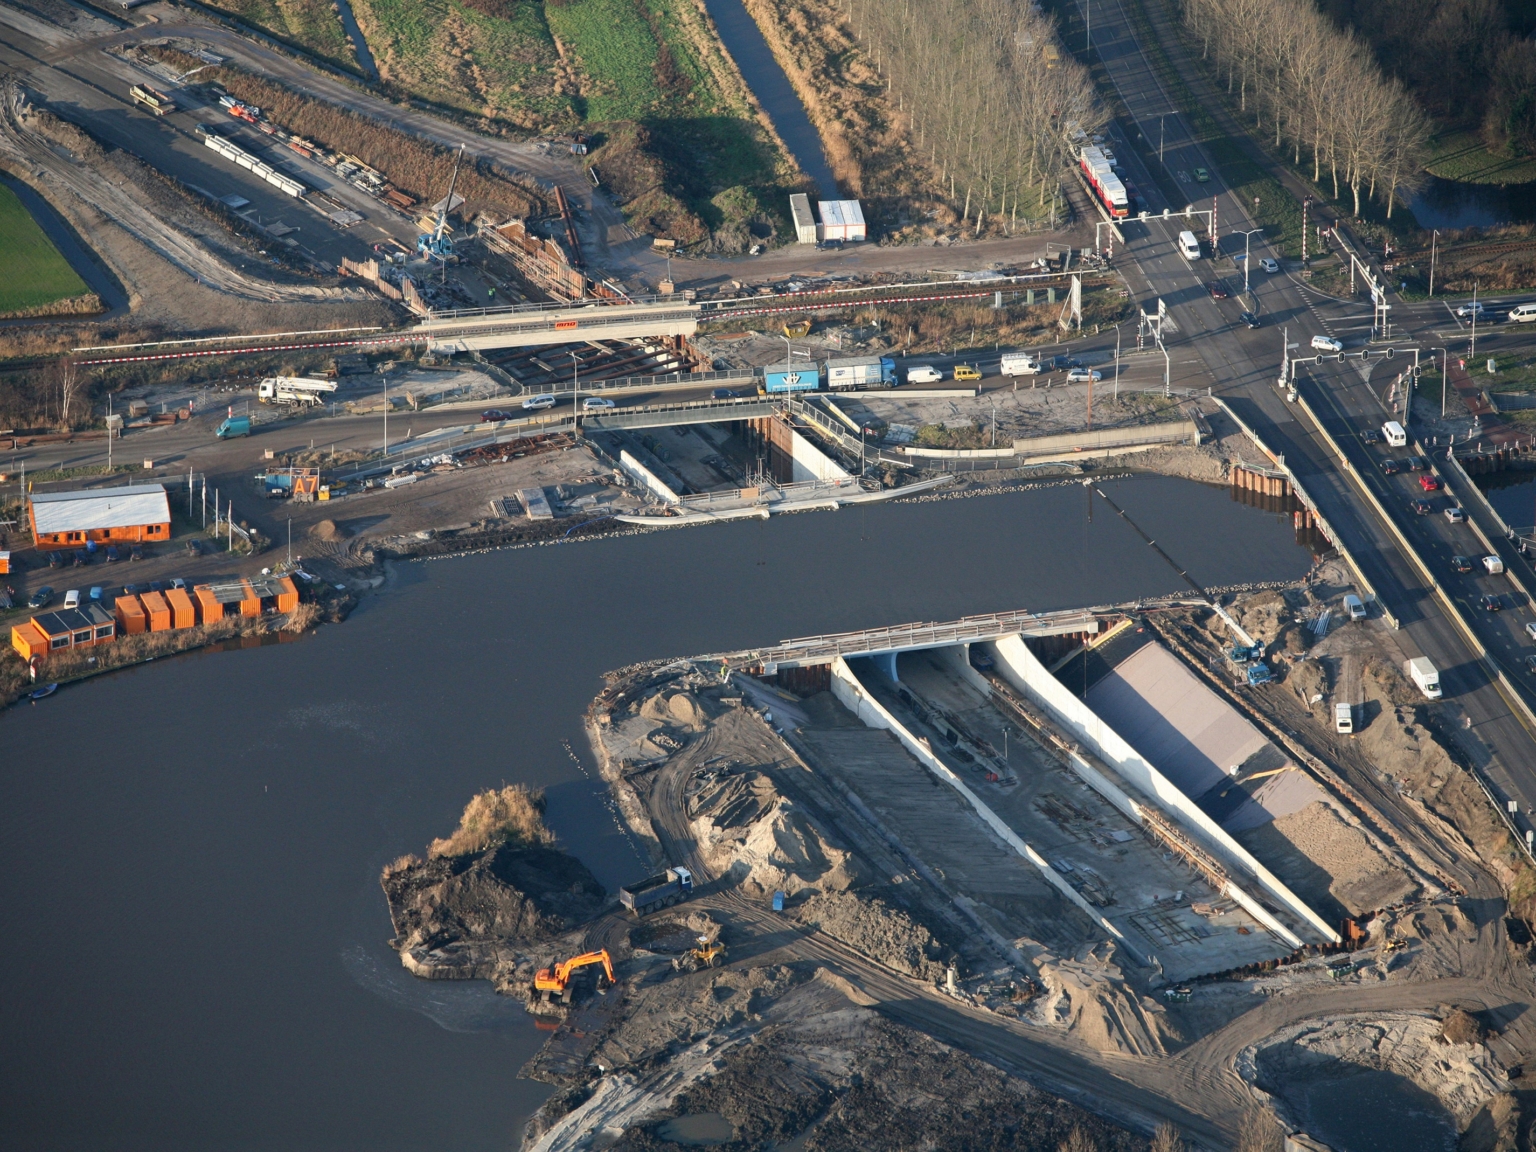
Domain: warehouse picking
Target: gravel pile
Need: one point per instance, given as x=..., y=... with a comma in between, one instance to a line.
x=883, y=933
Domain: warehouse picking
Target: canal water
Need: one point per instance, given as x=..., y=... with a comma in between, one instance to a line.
x=743, y=39
x=191, y=848
x=1453, y=204
x=1513, y=496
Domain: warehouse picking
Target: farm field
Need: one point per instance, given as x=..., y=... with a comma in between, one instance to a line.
x=36, y=274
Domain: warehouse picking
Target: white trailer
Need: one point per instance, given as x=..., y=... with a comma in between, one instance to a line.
x=805, y=222
x=294, y=390
x=1423, y=673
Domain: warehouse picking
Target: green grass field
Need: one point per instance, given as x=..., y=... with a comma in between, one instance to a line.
x=311, y=24
x=1461, y=156
x=35, y=273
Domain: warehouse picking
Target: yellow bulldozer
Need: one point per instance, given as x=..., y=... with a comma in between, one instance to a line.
x=706, y=955
x=553, y=985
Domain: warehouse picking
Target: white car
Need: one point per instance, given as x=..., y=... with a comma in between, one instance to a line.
x=1467, y=311
x=924, y=374
x=596, y=404
x=1083, y=375
x=72, y=598
x=1327, y=344
x=1269, y=265
x=1456, y=515
x=536, y=403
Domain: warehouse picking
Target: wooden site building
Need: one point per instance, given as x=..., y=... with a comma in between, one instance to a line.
x=136, y=514
x=50, y=632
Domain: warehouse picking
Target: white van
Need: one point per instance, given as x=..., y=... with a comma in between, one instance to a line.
x=923, y=374
x=1343, y=718
x=1019, y=364
x=1394, y=433
x=1355, y=607
x=1189, y=247
x=1522, y=313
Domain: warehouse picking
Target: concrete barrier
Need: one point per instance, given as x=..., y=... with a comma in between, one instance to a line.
x=1174, y=432
x=1019, y=667
x=856, y=698
x=647, y=479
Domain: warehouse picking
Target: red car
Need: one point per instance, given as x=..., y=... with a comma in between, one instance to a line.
x=493, y=416
x=1429, y=483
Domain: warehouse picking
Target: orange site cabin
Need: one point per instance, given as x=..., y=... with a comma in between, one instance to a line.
x=136, y=514
x=70, y=628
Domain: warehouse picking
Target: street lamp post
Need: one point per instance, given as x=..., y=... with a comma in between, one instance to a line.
x=575, y=387
x=1434, y=241
x=1246, y=259
x=1117, y=363
x=1472, y=347
x=1445, y=367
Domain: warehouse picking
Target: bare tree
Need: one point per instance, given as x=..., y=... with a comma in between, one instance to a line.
x=66, y=379
x=1078, y=1141
x=1167, y=1139
x=1260, y=1132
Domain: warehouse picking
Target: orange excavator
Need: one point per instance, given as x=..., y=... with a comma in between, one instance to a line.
x=554, y=984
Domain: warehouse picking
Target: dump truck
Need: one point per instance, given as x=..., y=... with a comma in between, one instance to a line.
x=234, y=426
x=657, y=891
x=553, y=985
x=1422, y=671
x=294, y=390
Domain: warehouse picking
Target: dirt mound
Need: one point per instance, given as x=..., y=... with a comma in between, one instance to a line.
x=1089, y=998
x=327, y=530
x=675, y=708
x=883, y=933
x=1463, y=1077
x=1263, y=616
x=1461, y=1027
x=746, y=828
x=1359, y=877
x=505, y=893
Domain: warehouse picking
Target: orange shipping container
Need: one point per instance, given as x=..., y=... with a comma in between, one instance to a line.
x=130, y=616
x=208, y=606
x=28, y=640
x=288, y=595
x=183, y=614
x=251, y=605
x=158, y=611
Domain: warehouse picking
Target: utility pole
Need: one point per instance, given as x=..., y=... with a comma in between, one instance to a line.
x=1090, y=403
x=576, y=372
x=1117, y=363
x=1444, y=373
x=1087, y=25
x=1434, y=243
x=1472, y=347
x=1306, y=202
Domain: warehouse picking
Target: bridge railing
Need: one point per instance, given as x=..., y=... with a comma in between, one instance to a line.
x=921, y=635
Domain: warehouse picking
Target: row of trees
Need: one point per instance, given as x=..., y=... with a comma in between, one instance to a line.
x=992, y=97
x=1316, y=87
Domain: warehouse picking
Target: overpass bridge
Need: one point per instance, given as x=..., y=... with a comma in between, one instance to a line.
x=535, y=325
x=683, y=412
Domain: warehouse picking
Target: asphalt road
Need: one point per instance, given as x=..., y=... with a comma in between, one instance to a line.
x=1244, y=366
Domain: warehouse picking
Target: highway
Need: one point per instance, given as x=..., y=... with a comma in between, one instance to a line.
x=1243, y=366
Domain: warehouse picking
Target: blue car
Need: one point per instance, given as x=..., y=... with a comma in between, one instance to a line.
x=112, y=554
x=96, y=595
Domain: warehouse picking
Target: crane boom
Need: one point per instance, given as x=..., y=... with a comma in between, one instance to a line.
x=442, y=217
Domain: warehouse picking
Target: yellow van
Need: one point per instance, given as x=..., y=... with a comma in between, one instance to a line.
x=967, y=372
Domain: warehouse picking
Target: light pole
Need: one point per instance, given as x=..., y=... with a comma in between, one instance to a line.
x=1246, y=261
x=1472, y=347
x=1117, y=363
x=1434, y=241
x=575, y=385
x=1445, y=367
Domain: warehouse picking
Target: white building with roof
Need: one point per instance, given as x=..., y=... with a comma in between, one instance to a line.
x=136, y=514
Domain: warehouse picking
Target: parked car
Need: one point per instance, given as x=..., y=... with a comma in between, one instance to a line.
x=924, y=374
x=1218, y=290
x=967, y=372
x=722, y=394
x=1327, y=344
x=538, y=403
x=1429, y=482
x=112, y=554
x=1391, y=467
x=1084, y=375
x=830, y=245
x=597, y=404
x=1371, y=436
x=41, y=598
x=96, y=594
x=1422, y=507
x=1269, y=265
x=493, y=416
x=1461, y=564
x=55, y=559
x=158, y=585
x=137, y=553
x=178, y=582
x=72, y=598
x=1201, y=175
x=1467, y=311
x=1455, y=514
x=1249, y=319
x=134, y=589
x=1491, y=603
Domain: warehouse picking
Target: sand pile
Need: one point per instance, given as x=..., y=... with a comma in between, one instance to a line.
x=745, y=828
x=1089, y=998
x=1463, y=1077
x=885, y=934
x=1359, y=876
x=327, y=530
x=1263, y=616
x=678, y=708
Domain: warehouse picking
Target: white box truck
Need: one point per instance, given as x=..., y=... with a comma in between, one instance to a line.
x=1019, y=364
x=1354, y=606
x=1343, y=718
x=1394, y=433
x=1423, y=673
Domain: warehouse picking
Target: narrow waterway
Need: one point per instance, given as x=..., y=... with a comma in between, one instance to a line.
x=359, y=43
x=744, y=40
x=190, y=849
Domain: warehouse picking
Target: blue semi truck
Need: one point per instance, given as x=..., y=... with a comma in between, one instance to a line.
x=838, y=374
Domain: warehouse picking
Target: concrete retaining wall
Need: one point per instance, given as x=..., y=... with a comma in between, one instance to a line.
x=810, y=462
x=1019, y=667
x=854, y=696
x=647, y=479
x=1177, y=432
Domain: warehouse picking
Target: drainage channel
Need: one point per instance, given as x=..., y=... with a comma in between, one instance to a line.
x=744, y=40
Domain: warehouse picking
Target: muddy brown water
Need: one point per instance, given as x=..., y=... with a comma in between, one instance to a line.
x=191, y=848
